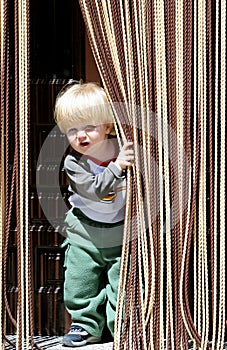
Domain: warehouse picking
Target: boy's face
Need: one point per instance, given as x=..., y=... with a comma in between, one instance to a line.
x=88, y=139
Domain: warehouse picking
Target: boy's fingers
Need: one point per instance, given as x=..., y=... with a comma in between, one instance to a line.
x=127, y=144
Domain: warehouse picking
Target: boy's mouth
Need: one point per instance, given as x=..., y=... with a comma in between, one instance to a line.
x=84, y=144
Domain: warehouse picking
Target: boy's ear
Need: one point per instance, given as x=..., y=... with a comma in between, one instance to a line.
x=109, y=128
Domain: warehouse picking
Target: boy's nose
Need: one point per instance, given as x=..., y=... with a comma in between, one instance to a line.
x=81, y=133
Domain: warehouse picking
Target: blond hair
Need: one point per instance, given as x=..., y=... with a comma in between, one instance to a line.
x=80, y=104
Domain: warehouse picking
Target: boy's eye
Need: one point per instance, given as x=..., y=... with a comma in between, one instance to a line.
x=89, y=128
x=72, y=131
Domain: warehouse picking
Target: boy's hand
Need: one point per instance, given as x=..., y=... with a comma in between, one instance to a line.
x=125, y=157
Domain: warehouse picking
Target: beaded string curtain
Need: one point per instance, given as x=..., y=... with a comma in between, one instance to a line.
x=162, y=64
x=14, y=185
x=163, y=67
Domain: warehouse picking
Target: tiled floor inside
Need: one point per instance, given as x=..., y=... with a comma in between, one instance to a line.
x=106, y=346
x=54, y=343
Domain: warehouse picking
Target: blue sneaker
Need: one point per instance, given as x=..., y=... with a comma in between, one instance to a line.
x=77, y=336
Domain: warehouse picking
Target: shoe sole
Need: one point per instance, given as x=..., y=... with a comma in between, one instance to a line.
x=90, y=340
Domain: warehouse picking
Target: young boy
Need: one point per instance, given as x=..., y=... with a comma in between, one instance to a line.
x=95, y=168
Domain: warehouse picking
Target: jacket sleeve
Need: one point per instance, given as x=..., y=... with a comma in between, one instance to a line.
x=86, y=184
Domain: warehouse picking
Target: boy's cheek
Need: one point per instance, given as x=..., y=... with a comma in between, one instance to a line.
x=71, y=139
